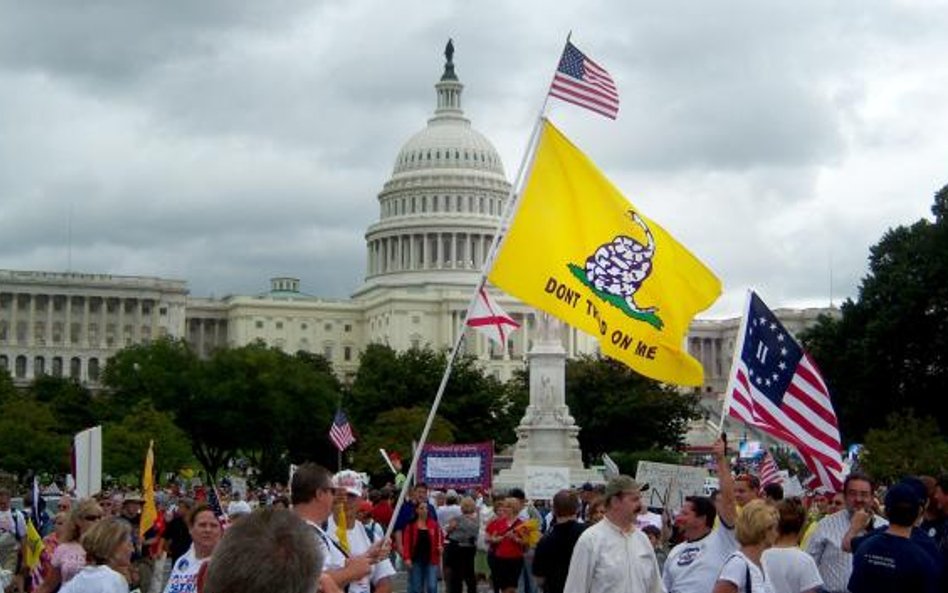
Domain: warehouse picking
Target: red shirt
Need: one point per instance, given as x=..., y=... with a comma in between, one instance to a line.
x=507, y=547
x=410, y=536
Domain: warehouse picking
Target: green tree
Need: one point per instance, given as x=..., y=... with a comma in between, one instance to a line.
x=619, y=410
x=125, y=443
x=908, y=445
x=28, y=438
x=395, y=430
x=889, y=349
x=263, y=403
x=70, y=403
x=7, y=390
x=162, y=372
x=478, y=405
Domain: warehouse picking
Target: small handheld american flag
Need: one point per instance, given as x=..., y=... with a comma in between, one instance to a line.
x=340, y=433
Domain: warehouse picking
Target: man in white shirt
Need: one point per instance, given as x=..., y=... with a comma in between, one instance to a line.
x=379, y=579
x=825, y=545
x=693, y=565
x=312, y=495
x=613, y=555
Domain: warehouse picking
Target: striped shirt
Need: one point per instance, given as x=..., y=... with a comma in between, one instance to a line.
x=825, y=545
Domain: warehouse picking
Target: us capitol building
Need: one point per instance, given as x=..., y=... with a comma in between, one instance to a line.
x=437, y=216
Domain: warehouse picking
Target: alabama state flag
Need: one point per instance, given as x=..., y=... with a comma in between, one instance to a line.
x=580, y=251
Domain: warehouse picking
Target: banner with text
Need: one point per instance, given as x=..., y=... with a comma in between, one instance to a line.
x=669, y=484
x=456, y=466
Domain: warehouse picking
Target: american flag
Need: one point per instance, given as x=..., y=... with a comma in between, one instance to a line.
x=214, y=501
x=769, y=472
x=487, y=317
x=340, y=433
x=776, y=387
x=582, y=82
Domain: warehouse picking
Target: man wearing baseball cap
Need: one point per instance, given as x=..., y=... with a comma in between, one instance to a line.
x=614, y=555
x=890, y=562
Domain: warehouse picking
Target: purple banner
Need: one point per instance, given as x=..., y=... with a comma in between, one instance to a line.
x=461, y=467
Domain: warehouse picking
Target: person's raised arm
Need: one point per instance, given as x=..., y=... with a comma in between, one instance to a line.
x=727, y=509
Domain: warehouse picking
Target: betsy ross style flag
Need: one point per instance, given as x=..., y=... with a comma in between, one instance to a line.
x=577, y=249
x=776, y=387
x=581, y=81
x=340, y=433
x=488, y=318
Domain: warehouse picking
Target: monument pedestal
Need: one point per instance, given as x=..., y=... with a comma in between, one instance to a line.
x=547, y=434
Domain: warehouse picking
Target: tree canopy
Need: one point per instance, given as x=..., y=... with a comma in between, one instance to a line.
x=619, y=410
x=889, y=350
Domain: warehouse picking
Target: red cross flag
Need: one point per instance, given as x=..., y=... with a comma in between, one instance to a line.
x=487, y=317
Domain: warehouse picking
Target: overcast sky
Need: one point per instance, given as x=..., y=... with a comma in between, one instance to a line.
x=227, y=142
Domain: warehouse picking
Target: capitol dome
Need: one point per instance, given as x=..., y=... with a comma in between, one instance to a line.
x=440, y=209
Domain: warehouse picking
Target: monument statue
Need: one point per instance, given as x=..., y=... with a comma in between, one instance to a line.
x=449, y=51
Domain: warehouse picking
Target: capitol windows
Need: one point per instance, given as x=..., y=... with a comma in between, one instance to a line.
x=127, y=335
x=480, y=204
x=327, y=327
x=20, y=367
x=163, y=311
x=57, y=366
x=39, y=366
x=75, y=367
x=424, y=204
x=279, y=325
x=457, y=203
x=4, y=363
x=21, y=329
x=327, y=351
x=39, y=333
x=347, y=353
x=93, y=369
x=258, y=324
x=58, y=332
x=347, y=328
x=93, y=331
x=74, y=331
x=413, y=205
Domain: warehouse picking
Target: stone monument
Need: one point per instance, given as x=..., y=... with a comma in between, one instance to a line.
x=547, y=434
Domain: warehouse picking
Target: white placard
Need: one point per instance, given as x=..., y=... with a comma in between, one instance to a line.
x=543, y=481
x=88, y=447
x=670, y=483
x=452, y=468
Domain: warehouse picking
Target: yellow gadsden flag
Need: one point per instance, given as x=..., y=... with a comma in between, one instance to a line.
x=149, y=510
x=580, y=251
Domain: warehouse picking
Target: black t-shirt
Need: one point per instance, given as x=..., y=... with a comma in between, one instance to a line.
x=177, y=533
x=553, y=553
x=887, y=563
x=422, y=552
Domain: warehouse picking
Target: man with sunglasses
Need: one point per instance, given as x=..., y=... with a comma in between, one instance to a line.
x=312, y=494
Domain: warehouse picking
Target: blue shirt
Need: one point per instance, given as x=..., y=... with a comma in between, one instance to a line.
x=887, y=563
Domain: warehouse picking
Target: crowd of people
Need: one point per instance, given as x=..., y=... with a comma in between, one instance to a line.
x=327, y=532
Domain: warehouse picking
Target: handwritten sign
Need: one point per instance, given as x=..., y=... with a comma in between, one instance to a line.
x=669, y=484
x=543, y=481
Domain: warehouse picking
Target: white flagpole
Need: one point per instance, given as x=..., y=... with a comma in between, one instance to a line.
x=523, y=172
x=738, y=347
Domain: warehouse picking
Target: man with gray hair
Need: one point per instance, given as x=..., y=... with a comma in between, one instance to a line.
x=614, y=555
x=268, y=550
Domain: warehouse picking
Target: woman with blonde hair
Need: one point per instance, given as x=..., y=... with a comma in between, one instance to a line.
x=756, y=530
x=108, y=546
x=69, y=556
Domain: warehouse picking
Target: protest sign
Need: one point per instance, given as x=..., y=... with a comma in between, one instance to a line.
x=456, y=466
x=543, y=481
x=669, y=484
